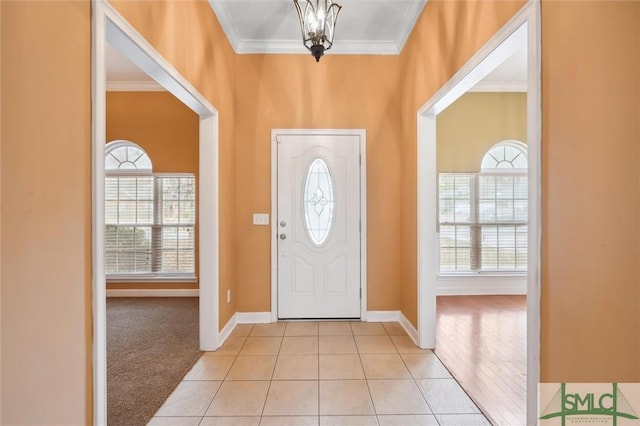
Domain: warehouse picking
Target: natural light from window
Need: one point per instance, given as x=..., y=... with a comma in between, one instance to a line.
x=483, y=216
x=150, y=217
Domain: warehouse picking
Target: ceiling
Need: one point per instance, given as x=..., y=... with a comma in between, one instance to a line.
x=510, y=76
x=271, y=26
x=363, y=26
x=119, y=68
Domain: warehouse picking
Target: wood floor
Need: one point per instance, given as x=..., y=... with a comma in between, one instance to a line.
x=482, y=341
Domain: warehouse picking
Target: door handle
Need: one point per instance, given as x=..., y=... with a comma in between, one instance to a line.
x=283, y=236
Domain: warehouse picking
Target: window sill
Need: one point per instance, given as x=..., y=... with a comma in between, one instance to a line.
x=473, y=275
x=150, y=279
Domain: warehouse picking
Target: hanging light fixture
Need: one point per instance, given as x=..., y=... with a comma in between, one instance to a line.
x=317, y=23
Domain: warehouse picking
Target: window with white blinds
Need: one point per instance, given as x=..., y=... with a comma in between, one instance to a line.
x=483, y=216
x=150, y=218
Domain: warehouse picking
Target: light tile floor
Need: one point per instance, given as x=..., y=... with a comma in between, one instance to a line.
x=318, y=373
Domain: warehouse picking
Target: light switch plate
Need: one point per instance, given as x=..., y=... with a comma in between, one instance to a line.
x=261, y=219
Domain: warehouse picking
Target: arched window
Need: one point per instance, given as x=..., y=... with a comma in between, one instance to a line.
x=483, y=216
x=126, y=156
x=505, y=155
x=150, y=217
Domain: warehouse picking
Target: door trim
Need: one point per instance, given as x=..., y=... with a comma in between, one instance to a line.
x=362, y=134
x=525, y=23
x=108, y=25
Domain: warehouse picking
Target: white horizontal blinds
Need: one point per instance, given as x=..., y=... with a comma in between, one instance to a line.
x=456, y=220
x=129, y=221
x=174, y=244
x=150, y=224
x=150, y=218
x=502, y=217
x=483, y=222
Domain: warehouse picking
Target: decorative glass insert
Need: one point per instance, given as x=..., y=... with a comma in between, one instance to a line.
x=318, y=202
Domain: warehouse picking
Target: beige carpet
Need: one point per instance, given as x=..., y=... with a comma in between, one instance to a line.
x=151, y=344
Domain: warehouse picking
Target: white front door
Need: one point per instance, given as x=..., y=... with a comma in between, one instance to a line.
x=318, y=226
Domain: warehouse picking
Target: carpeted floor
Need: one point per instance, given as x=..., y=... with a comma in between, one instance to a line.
x=151, y=344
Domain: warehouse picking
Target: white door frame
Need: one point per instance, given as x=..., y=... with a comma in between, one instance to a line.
x=362, y=134
x=526, y=23
x=108, y=24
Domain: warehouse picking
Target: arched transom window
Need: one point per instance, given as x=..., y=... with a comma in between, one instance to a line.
x=505, y=155
x=483, y=216
x=150, y=217
x=126, y=155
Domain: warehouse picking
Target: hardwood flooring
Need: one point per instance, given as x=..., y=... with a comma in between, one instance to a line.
x=482, y=341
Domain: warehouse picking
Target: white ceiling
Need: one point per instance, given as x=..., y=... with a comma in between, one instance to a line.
x=510, y=76
x=271, y=26
x=123, y=75
x=363, y=26
x=120, y=68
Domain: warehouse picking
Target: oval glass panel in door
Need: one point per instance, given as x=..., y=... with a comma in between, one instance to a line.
x=318, y=202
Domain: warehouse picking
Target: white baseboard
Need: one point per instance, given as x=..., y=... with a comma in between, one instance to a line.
x=481, y=285
x=409, y=328
x=383, y=316
x=150, y=292
x=253, y=317
x=227, y=329
x=265, y=317
x=394, y=316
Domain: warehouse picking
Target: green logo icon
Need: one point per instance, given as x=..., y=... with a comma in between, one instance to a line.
x=585, y=405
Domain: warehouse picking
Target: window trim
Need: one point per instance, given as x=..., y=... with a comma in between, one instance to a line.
x=122, y=143
x=475, y=225
x=521, y=146
x=154, y=276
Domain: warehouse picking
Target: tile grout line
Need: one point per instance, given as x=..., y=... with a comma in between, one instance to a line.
x=413, y=378
x=266, y=396
x=226, y=375
x=375, y=410
x=318, y=341
x=415, y=383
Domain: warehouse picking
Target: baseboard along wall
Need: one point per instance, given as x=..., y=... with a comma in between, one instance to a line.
x=480, y=285
x=265, y=317
x=160, y=292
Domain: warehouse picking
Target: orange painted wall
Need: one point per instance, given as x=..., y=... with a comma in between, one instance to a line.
x=46, y=213
x=168, y=130
x=473, y=124
x=343, y=92
x=590, y=109
x=165, y=127
x=590, y=321
x=188, y=35
x=591, y=191
x=446, y=36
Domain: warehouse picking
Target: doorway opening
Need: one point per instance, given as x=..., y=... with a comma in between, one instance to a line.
x=522, y=28
x=109, y=26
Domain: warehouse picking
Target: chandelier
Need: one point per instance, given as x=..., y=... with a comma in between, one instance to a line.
x=317, y=23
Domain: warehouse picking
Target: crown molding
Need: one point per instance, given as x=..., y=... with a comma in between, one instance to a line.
x=410, y=19
x=224, y=18
x=295, y=47
x=343, y=47
x=134, y=86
